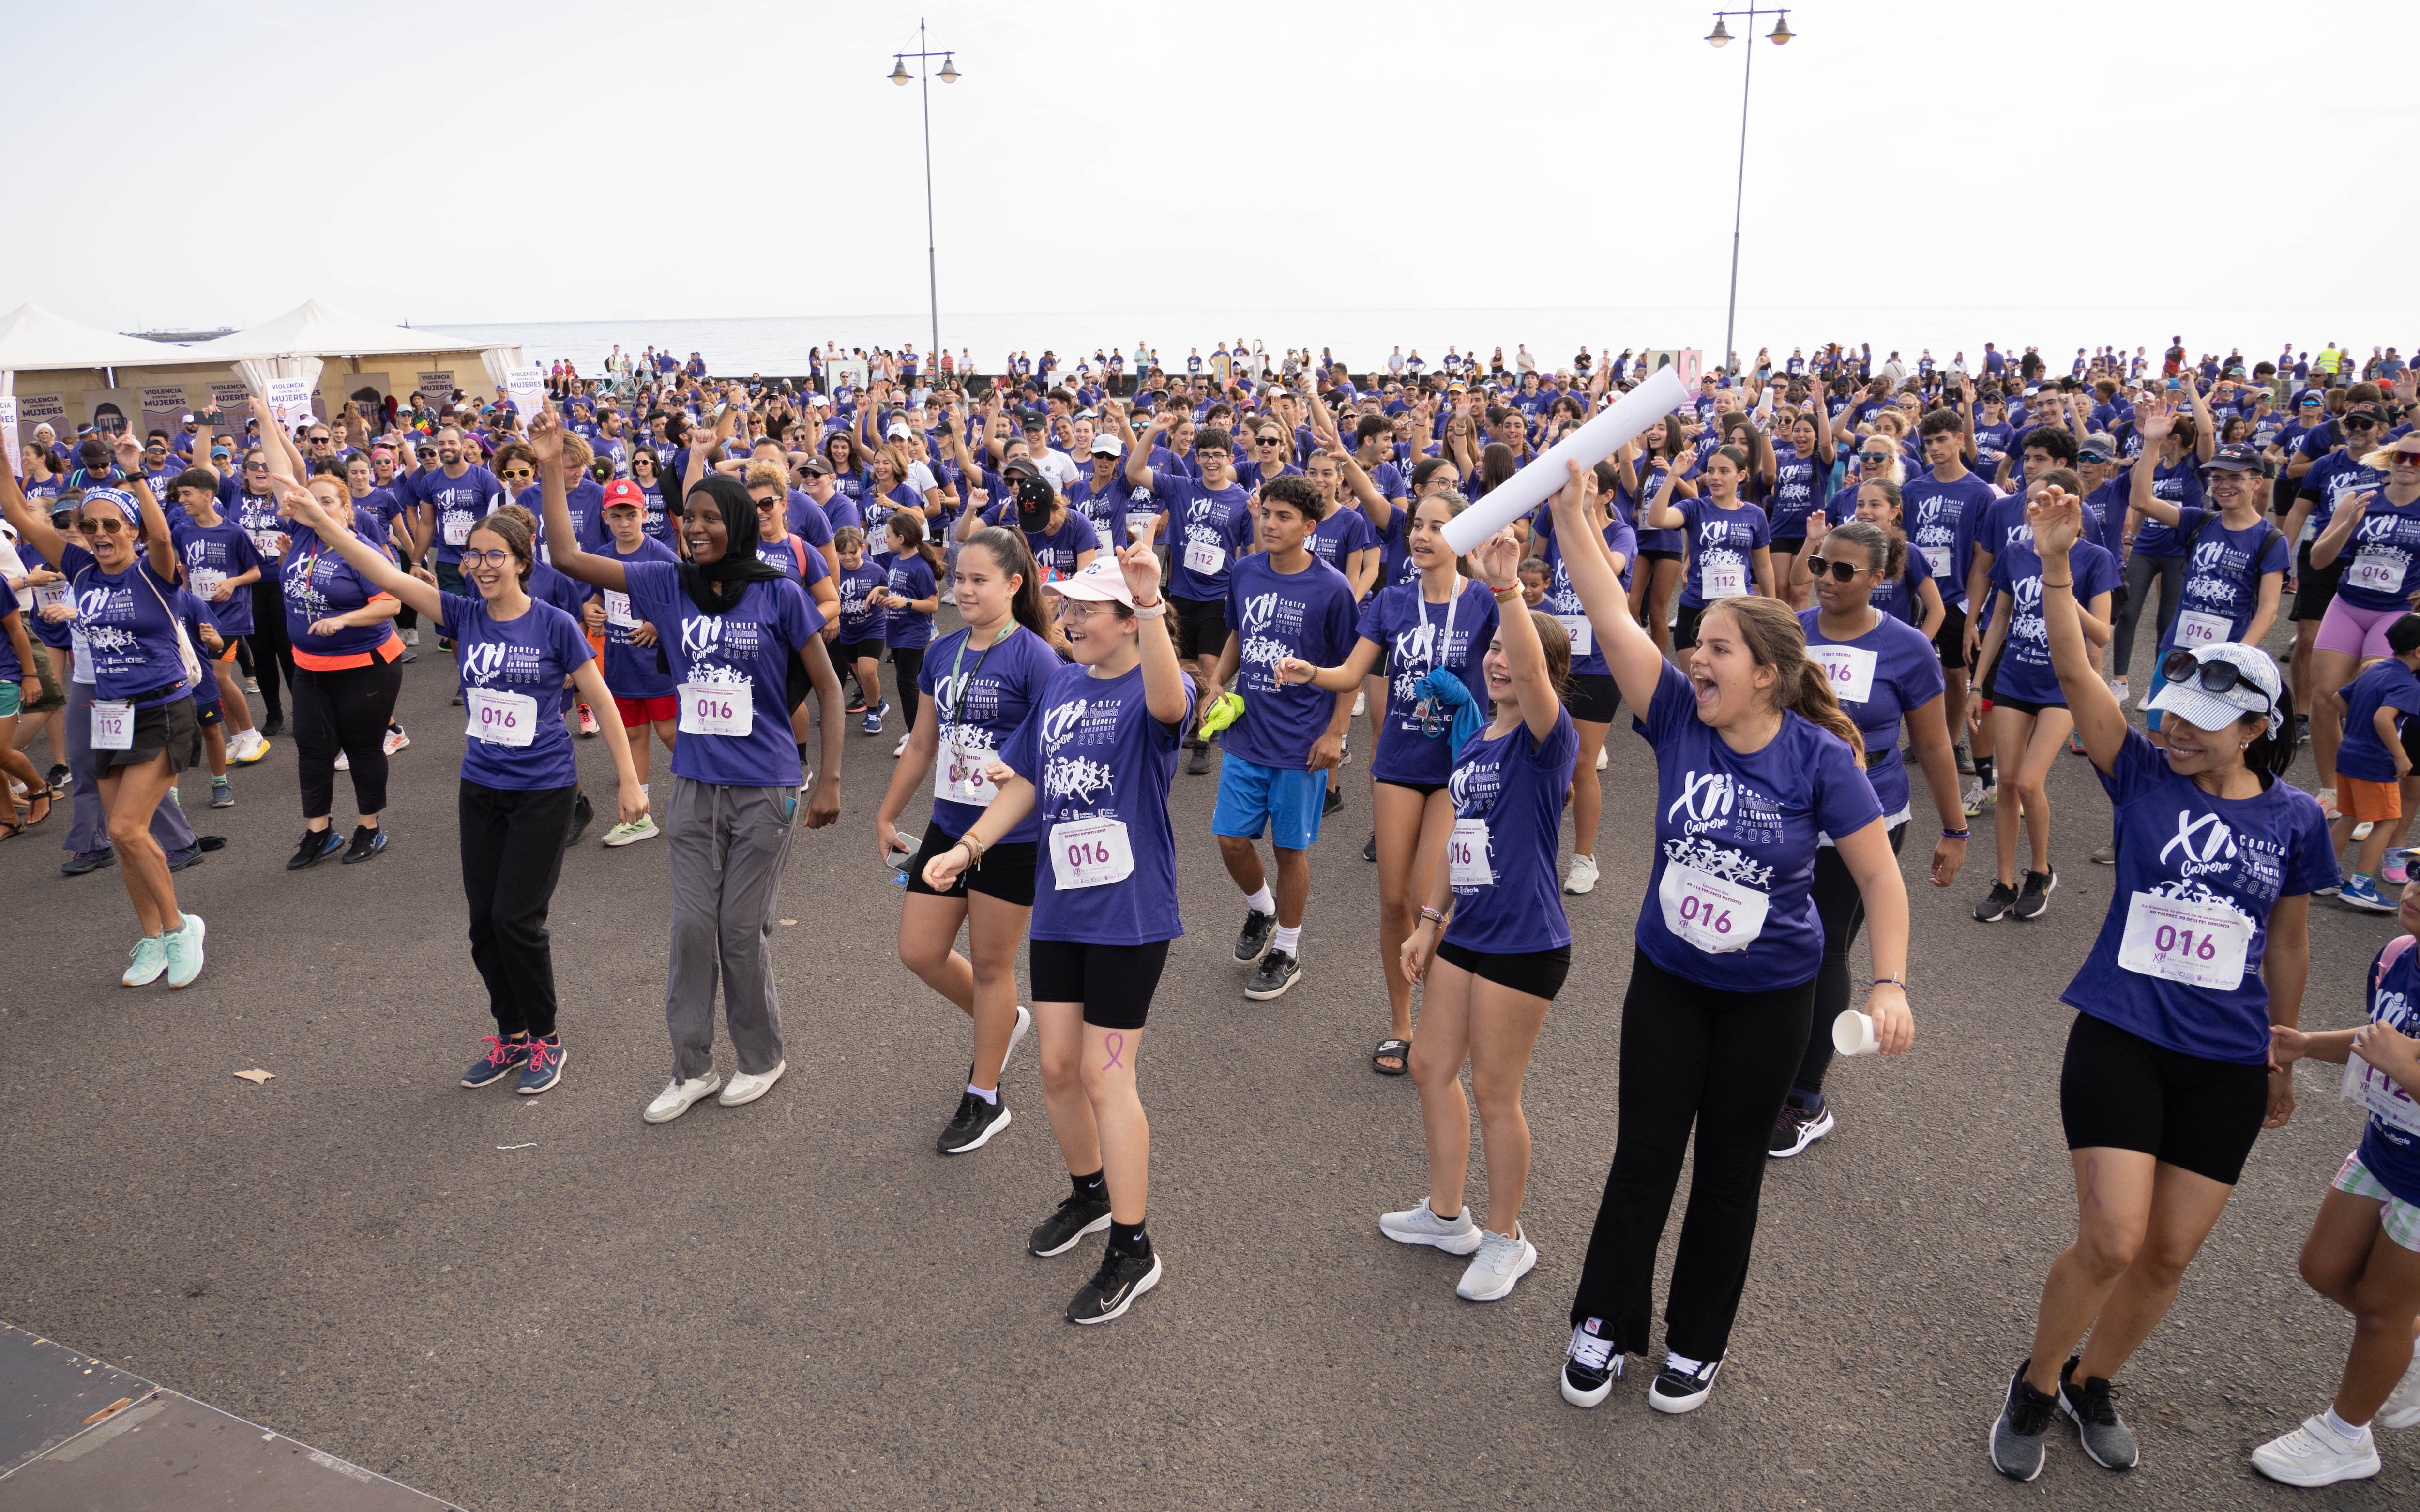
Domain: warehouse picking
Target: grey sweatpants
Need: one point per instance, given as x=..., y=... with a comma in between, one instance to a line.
x=88, y=828
x=728, y=846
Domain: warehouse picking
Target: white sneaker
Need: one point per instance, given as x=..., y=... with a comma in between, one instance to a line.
x=344, y=763
x=677, y=1097
x=1582, y=879
x=1503, y=1260
x=2312, y=1455
x=395, y=740
x=2401, y=1408
x=1604, y=758
x=2361, y=831
x=412, y=637
x=2117, y=689
x=747, y=1087
x=1024, y=1022
x=1360, y=704
x=1458, y=1235
x=900, y=749
x=632, y=833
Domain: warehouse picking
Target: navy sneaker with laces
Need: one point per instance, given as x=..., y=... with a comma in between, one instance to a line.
x=502, y=1057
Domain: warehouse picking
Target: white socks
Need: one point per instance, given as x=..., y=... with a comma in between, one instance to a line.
x=1262, y=901
x=991, y=1097
x=2352, y=1435
x=1288, y=940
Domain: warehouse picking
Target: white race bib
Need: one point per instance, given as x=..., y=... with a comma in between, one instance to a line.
x=1204, y=558
x=46, y=595
x=205, y=581
x=2376, y=572
x=1465, y=855
x=1852, y=670
x=2197, y=629
x=2378, y=1092
x=1141, y=520
x=2199, y=944
x=718, y=709
x=113, y=726
x=1715, y=915
x=617, y=611
x=958, y=774
x=1090, y=853
x=1583, y=634
x=265, y=541
x=457, y=528
x=1939, y=557
x=79, y=658
x=1724, y=579
x=499, y=718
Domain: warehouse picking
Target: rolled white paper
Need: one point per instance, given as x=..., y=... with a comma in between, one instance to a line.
x=1599, y=438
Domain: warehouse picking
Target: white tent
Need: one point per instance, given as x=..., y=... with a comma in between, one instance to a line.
x=296, y=342
x=33, y=338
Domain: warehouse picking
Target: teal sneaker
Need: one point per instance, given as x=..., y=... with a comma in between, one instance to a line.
x=185, y=952
x=149, y=959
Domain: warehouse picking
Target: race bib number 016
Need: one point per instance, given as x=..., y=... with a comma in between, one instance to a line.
x=1465, y=855
x=1090, y=853
x=1716, y=914
x=2179, y=939
x=717, y=709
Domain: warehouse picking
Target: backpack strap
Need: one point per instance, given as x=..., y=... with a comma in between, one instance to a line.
x=798, y=552
x=2396, y=949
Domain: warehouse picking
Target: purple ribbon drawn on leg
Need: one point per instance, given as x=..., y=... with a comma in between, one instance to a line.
x=1116, y=1043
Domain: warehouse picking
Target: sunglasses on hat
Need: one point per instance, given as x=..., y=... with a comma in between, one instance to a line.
x=2215, y=675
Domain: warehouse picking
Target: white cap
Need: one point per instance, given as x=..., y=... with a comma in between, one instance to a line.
x=2255, y=691
x=898, y=431
x=1107, y=446
x=1102, y=582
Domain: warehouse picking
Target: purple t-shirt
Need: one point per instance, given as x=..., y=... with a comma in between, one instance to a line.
x=1515, y=784
x=634, y=672
x=980, y=696
x=1735, y=841
x=1417, y=636
x=1879, y=678
x=1093, y=752
x=227, y=550
x=459, y=504
x=1723, y=542
x=749, y=645
x=501, y=662
x=126, y=622
x=1308, y=614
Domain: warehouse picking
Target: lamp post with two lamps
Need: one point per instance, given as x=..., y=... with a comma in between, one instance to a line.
x=899, y=75
x=1721, y=37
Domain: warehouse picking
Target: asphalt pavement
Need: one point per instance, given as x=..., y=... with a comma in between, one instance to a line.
x=518, y=1303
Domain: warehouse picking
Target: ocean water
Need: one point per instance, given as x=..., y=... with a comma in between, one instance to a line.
x=778, y=345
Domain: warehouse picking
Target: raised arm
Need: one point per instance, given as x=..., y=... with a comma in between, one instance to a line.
x=157, y=545
x=1498, y=561
x=1659, y=514
x=2205, y=429
x=31, y=526
x=1635, y=663
x=2057, y=521
x=1163, y=680
x=562, y=540
x=365, y=559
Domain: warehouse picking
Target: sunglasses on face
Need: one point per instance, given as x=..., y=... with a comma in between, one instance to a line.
x=1874, y=457
x=1841, y=571
x=2214, y=677
x=103, y=527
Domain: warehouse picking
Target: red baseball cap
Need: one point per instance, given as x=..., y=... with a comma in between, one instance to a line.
x=623, y=491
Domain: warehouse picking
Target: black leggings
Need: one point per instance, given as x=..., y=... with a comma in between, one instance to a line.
x=906, y=661
x=1720, y=1061
x=512, y=854
x=344, y=710
x=272, y=655
x=1843, y=910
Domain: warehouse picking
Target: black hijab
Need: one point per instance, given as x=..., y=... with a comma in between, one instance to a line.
x=738, y=565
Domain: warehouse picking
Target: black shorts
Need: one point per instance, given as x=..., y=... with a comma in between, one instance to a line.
x=1114, y=983
x=212, y=713
x=1684, y=628
x=1539, y=973
x=1200, y=626
x=1993, y=699
x=1594, y=698
x=1006, y=872
x=168, y=727
x=1950, y=640
x=2411, y=741
x=2315, y=588
x=1424, y=789
x=848, y=654
x=2117, y=1091
x=1659, y=556
x=1786, y=546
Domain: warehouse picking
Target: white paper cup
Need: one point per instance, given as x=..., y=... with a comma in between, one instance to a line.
x=1853, y=1034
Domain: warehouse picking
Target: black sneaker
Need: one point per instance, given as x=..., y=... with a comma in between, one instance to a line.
x=367, y=844
x=2017, y=1435
x=1591, y=1366
x=2301, y=730
x=1197, y=765
x=1258, y=927
x=1996, y=908
x=316, y=846
x=2098, y=1428
x=1076, y=1216
x=975, y=1121
x=83, y=861
x=1794, y=1128
x=1369, y=847
x=190, y=856
x=1279, y=970
x=2036, y=896
x=583, y=811
x=58, y=777
x=1675, y=1390
x=1334, y=803
x=273, y=725
x=1114, y=1287
x=210, y=842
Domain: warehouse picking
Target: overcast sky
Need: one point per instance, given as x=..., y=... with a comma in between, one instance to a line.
x=1113, y=157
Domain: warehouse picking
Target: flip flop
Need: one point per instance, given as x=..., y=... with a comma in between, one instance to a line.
x=1395, y=1050
x=42, y=797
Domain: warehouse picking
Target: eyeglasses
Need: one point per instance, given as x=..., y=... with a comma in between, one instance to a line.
x=2215, y=675
x=519, y=473
x=104, y=525
x=1841, y=571
x=486, y=558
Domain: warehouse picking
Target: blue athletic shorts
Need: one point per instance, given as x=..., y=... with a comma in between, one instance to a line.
x=1286, y=802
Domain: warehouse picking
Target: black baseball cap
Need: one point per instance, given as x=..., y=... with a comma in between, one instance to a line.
x=2234, y=456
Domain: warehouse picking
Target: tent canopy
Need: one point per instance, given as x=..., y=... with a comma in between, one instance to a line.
x=315, y=329
x=33, y=338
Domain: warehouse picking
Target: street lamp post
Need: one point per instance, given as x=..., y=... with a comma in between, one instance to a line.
x=899, y=75
x=1721, y=37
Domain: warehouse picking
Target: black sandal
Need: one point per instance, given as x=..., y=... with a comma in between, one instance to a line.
x=1392, y=1049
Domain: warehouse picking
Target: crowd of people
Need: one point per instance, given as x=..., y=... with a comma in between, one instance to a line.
x=1814, y=579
